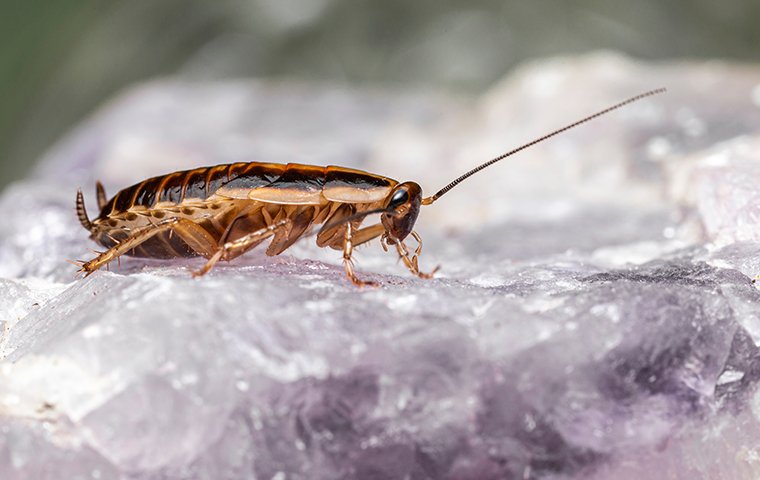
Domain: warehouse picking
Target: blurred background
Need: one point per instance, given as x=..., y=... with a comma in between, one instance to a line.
x=60, y=60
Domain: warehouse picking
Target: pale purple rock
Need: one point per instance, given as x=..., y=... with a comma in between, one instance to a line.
x=593, y=318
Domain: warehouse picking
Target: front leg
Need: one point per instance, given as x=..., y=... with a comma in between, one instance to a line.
x=195, y=236
x=411, y=261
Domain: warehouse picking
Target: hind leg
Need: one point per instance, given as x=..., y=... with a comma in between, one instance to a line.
x=195, y=236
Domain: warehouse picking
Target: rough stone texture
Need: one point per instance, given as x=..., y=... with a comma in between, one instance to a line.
x=594, y=316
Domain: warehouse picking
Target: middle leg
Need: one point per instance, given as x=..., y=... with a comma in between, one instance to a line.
x=352, y=239
x=235, y=248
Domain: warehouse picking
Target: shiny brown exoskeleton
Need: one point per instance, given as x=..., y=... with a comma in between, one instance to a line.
x=222, y=212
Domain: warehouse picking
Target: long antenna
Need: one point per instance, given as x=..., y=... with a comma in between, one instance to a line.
x=441, y=192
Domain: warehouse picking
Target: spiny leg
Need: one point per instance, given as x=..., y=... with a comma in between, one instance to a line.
x=348, y=249
x=214, y=256
x=194, y=235
x=412, y=262
x=237, y=247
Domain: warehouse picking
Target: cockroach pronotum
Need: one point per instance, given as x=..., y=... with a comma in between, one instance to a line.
x=222, y=212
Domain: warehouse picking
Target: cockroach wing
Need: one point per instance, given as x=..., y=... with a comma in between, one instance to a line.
x=345, y=185
x=285, y=196
x=294, y=184
x=298, y=185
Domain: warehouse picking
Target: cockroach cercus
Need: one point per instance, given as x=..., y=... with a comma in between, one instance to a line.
x=222, y=212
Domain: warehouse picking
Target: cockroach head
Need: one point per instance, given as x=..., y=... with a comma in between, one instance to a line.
x=401, y=210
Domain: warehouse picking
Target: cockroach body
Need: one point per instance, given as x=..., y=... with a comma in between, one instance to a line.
x=221, y=212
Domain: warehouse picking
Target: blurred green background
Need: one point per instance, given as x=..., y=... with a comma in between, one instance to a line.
x=60, y=59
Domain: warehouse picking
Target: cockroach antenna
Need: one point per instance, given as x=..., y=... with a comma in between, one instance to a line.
x=441, y=192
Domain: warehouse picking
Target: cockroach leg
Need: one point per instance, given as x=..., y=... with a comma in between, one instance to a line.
x=191, y=233
x=237, y=247
x=418, y=250
x=348, y=249
x=111, y=237
x=384, y=243
x=366, y=234
x=411, y=261
x=209, y=264
x=246, y=211
x=243, y=244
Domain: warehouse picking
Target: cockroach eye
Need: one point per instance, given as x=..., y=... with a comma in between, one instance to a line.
x=399, y=198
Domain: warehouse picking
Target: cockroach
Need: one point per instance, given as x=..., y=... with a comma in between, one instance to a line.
x=221, y=212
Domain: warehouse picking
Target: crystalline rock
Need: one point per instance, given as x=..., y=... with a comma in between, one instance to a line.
x=594, y=316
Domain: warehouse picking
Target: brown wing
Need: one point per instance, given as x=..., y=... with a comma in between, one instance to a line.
x=345, y=185
x=291, y=184
x=308, y=185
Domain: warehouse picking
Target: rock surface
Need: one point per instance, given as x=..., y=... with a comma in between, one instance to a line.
x=593, y=318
